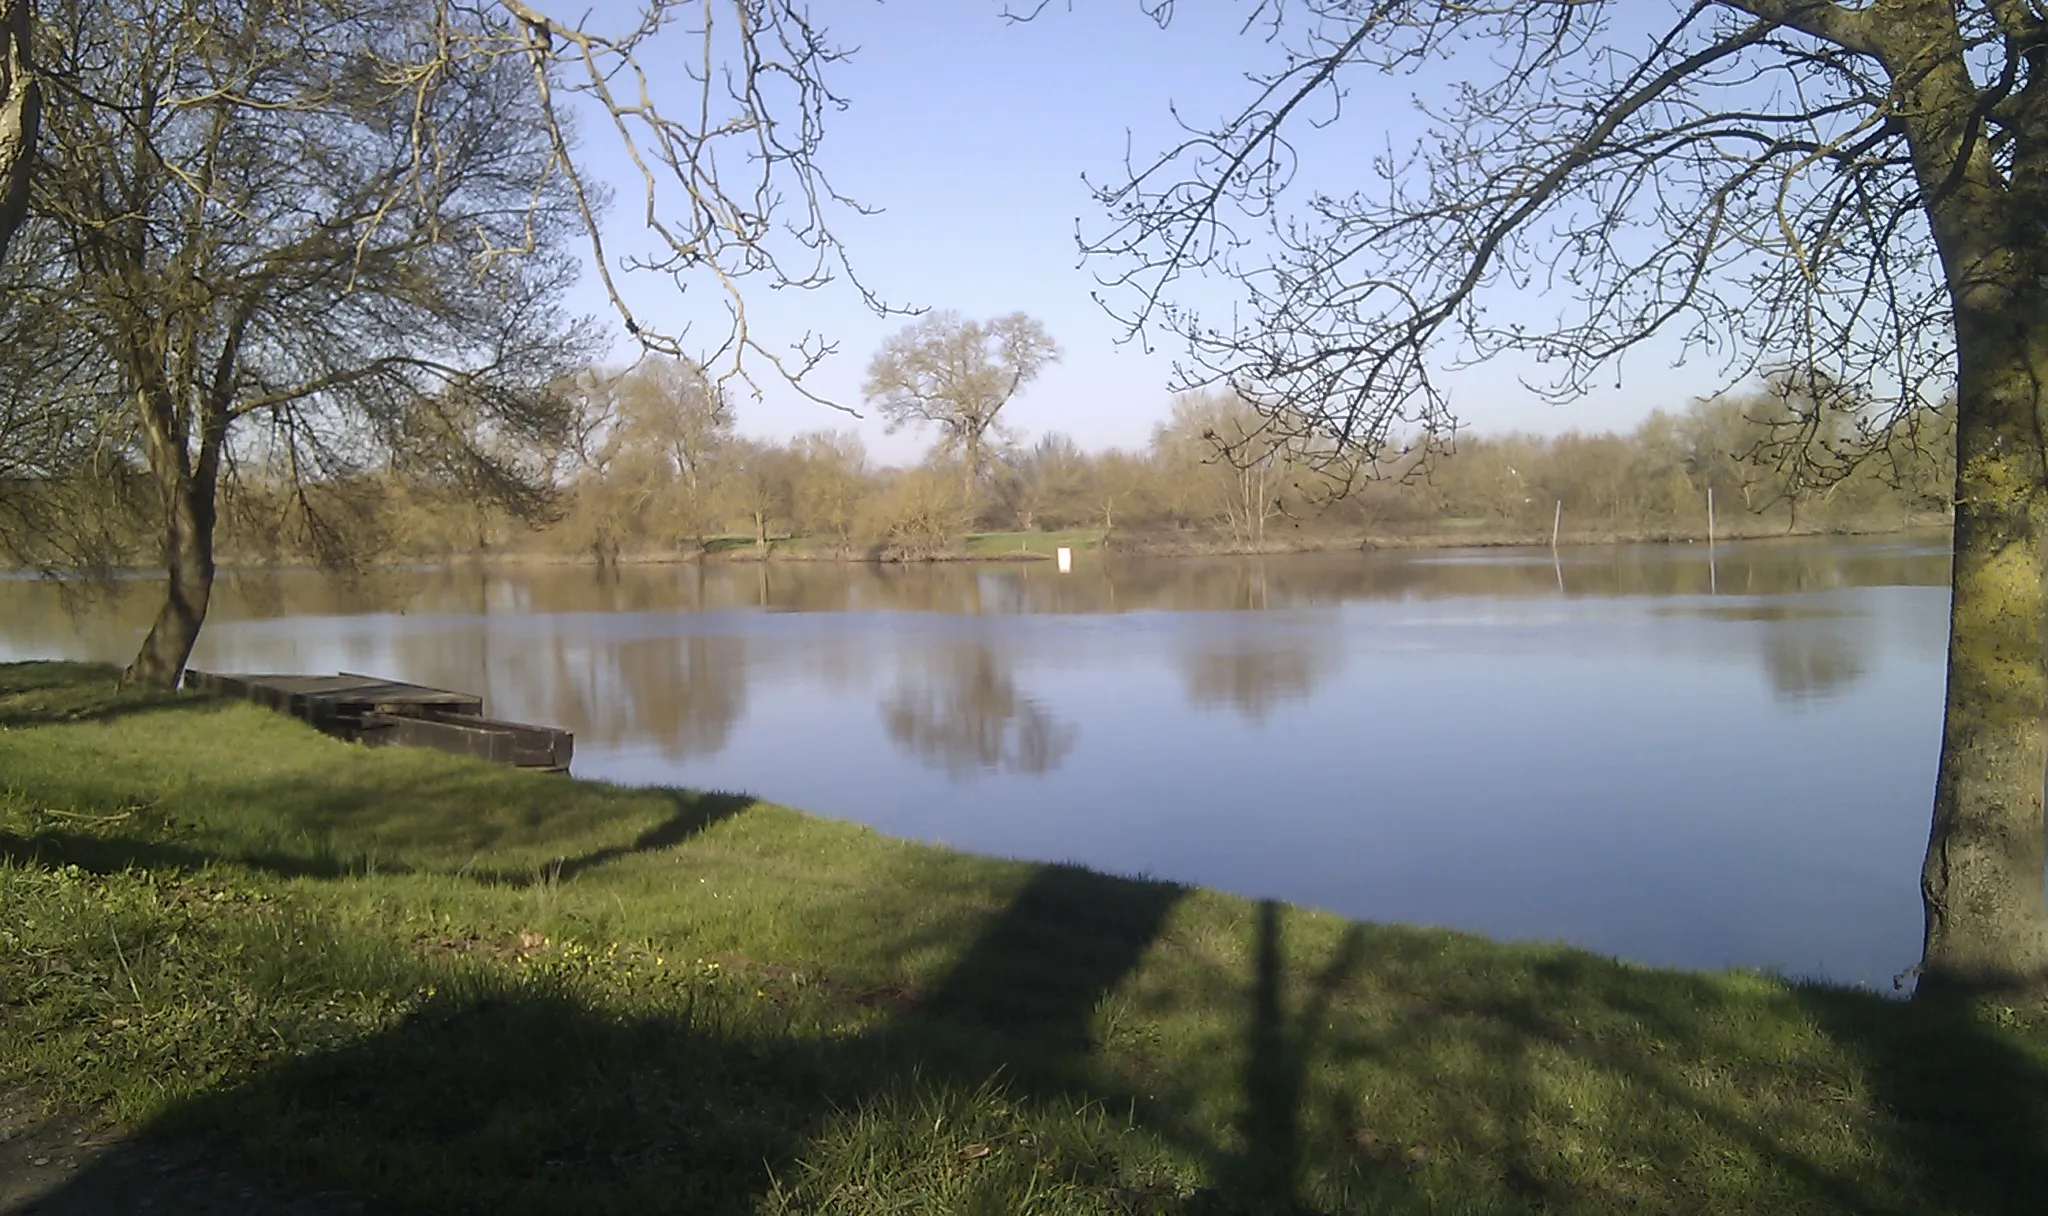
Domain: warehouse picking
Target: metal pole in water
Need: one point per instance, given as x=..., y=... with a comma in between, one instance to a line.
x=1713, y=577
x=1556, y=522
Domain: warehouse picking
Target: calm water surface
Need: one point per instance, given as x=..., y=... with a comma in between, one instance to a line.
x=1628, y=749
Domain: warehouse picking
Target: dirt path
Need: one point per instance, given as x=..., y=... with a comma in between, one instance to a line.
x=82, y=1166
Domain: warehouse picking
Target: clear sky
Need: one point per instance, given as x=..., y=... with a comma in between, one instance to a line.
x=972, y=133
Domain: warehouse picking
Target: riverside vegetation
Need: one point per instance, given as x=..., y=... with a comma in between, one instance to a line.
x=652, y=469
x=447, y=986
x=671, y=480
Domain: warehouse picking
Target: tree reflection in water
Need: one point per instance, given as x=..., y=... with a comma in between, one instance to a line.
x=969, y=718
x=1808, y=664
x=1255, y=671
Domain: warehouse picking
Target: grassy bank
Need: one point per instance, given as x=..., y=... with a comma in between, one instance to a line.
x=458, y=988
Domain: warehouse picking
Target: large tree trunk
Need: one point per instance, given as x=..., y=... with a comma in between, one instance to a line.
x=1987, y=916
x=20, y=117
x=188, y=567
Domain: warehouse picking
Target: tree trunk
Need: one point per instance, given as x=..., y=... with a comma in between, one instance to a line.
x=188, y=566
x=1986, y=913
x=20, y=117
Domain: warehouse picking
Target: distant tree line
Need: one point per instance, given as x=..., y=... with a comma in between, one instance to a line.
x=652, y=467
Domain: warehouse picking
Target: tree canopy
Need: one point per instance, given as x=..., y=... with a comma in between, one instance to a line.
x=957, y=374
x=217, y=263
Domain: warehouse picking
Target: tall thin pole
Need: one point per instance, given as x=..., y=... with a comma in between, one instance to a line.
x=1556, y=522
x=1713, y=576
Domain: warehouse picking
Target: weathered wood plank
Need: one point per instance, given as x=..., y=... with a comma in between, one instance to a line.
x=380, y=712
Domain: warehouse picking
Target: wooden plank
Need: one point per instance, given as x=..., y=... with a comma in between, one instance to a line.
x=379, y=712
x=514, y=743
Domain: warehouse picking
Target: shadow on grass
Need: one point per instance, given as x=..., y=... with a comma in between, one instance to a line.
x=106, y=853
x=1968, y=1114
x=519, y=1100
x=45, y=693
x=692, y=814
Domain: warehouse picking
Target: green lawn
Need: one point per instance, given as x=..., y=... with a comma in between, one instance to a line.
x=460, y=988
x=1040, y=543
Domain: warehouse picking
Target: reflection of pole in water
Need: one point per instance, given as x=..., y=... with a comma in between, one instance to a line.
x=1558, y=566
x=1713, y=577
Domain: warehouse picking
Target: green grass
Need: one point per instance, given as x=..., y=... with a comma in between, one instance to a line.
x=1038, y=543
x=458, y=988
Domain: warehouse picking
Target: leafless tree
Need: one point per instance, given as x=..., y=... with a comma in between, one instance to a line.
x=1855, y=189
x=957, y=374
x=649, y=452
x=761, y=486
x=212, y=218
x=720, y=105
x=832, y=484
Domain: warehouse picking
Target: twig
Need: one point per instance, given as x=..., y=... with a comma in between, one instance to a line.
x=126, y=971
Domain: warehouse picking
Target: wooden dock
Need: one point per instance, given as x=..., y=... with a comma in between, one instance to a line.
x=378, y=712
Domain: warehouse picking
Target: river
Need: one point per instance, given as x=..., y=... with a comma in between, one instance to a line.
x=1639, y=750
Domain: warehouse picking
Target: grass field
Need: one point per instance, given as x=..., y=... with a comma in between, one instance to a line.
x=1040, y=544
x=451, y=987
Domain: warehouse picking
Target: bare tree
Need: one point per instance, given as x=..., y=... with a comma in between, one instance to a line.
x=1046, y=484
x=832, y=482
x=726, y=145
x=919, y=514
x=1233, y=462
x=957, y=374
x=1852, y=189
x=71, y=493
x=761, y=485
x=213, y=220
x=648, y=456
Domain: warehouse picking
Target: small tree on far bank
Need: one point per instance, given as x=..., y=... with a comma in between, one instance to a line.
x=832, y=484
x=957, y=375
x=760, y=481
x=920, y=513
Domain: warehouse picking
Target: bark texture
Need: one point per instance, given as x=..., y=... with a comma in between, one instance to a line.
x=188, y=485
x=21, y=106
x=1986, y=916
x=1982, y=882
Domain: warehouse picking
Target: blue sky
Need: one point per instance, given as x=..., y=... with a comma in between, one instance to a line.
x=972, y=134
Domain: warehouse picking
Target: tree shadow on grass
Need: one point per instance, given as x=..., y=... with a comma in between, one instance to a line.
x=112, y=854
x=48, y=693
x=517, y=1096
x=340, y=831
x=1966, y=1110
x=516, y=1100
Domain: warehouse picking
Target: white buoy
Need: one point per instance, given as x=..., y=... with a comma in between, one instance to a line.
x=1066, y=559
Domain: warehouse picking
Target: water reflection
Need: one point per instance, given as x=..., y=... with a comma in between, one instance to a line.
x=1676, y=762
x=1808, y=665
x=963, y=714
x=1253, y=671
